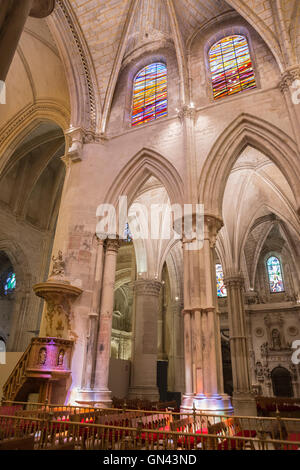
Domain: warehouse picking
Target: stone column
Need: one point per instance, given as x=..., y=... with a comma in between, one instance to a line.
x=144, y=361
x=203, y=359
x=161, y=351
x=243, y=398
x=102, y=395
x=91, y=351
x=13, y=16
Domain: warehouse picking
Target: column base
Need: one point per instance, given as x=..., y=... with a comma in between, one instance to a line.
x=144, y=393
x=244, y=404
x=95, y=398
x=210, y=404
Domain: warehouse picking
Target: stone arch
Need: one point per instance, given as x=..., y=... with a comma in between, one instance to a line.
x=15, y=131
x=243, y=131
x=24, y=280
x=135, y=173
x=282, y=382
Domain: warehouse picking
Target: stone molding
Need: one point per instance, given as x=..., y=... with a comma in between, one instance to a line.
x=85, y=65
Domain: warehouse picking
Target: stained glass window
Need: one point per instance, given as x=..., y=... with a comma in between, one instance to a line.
x=127, y=233
x=231, y=66
x=221, y=289
x=10, y=283
x=149, y=94
x=275, y=274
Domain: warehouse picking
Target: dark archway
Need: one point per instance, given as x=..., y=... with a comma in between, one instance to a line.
x=227, y=367
x=7, y=295
x=282, y=382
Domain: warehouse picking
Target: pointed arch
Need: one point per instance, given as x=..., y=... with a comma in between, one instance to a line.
x=243, y=131
x=136, y=172
x=15, y=131
x=24, y=281
x=261, y=27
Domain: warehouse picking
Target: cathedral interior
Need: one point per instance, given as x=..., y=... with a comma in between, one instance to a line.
x=158, y=105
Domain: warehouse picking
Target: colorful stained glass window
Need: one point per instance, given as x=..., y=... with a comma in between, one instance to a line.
x=221, y=289
x=10, y=283
x=127, y=233
x=275, y=274
x=149, y=94
x=231, y=66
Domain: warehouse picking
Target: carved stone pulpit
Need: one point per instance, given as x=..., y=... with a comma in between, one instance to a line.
x=59, y=295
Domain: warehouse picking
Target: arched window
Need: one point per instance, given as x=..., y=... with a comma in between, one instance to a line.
x=231, y=66
x=127, y=233
x=10, y=283
x=221, y=289
x=149, y=94
x=275, y=274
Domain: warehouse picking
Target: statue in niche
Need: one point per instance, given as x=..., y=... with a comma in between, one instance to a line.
x=58, y=267
x=259, y=371
x=276, y=341
x=267, y=373
x=60, y=359
x=264, y=349
x=42, y=356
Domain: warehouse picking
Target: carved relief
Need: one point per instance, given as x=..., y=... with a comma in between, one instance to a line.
x=42, y=356
x=275, y=332
x=276, y=341
x=58, y=267
x=59, y=297
x=60, y=358
x=259, y=371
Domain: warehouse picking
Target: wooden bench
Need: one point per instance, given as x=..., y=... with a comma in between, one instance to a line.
x=231, y=428
x=24, y=443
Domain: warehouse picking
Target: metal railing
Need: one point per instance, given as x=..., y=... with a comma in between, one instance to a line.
x=50, y=434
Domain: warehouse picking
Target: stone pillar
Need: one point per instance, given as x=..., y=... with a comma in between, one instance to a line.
x=243, y=398
x=91, y=351
x=13, y=16
x=144, y=361
x=102, y=395
x=203, y=359
x=175, y=324
x=161, y=351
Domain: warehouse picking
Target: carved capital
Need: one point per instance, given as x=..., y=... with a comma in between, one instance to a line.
x=74, y=144
x=112, y=245
x=186, y=111
x=288, y=77
x=234, y=281
x=147, y=287
x=212, y=225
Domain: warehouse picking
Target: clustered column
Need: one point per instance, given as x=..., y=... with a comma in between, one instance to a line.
x=96, y=371
x=144, y=363
x=203, y=359
x=243, y=398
